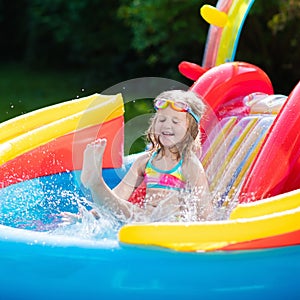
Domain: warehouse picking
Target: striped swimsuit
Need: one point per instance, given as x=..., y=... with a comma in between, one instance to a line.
x=172, y=179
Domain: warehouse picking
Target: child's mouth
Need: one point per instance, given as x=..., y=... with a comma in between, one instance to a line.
x=167, y=133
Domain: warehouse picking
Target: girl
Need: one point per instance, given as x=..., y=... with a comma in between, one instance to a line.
x=170, y=170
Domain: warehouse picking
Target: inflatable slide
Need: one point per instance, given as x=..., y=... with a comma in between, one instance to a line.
x=251, y=157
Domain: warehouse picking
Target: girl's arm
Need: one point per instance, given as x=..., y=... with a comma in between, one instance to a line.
x=198, y=183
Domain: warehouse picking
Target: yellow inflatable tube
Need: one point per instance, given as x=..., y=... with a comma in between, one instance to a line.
x=24, y=123
x=279, y=203
x=29, y=131
x=210, y=236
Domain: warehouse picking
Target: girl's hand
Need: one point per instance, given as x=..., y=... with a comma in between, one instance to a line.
x=167, y=209
x=70, y=218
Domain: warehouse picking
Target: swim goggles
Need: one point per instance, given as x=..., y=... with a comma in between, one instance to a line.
x=176, y=105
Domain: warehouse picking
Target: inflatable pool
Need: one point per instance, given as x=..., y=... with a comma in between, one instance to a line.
x=251, y=157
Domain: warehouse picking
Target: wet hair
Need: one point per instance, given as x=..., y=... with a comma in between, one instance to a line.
x=191, y=141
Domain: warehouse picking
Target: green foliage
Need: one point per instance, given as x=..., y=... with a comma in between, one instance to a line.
x=289, y=12
x=86, y=35
x=160, y=29
x=136, y=131
x=23, y=90
x=272, y=45
x=84, y=30
x=116, y=40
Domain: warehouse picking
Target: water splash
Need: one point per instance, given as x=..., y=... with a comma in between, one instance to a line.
x=85, y=226
x=183, y=206
x=38, y=204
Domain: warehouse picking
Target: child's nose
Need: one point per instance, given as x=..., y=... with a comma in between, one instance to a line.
x=168, y=123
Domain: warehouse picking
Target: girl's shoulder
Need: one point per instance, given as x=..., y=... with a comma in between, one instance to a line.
x=192, y=162
x=145, y=156
x=194, y=172
x=142, y=160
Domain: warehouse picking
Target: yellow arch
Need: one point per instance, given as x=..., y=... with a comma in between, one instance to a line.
x=231, y=31
x=31, y=130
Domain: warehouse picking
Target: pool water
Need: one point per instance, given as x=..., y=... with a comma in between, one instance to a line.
x=36, y=205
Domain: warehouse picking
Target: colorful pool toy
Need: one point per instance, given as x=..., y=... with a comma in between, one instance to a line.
x=251, y=250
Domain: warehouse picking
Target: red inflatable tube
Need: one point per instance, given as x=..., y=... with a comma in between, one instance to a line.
x=282, y=240
x=231, y=80
x=221, y=84
x=190, y=70
x=65, y=153
x=276, y=168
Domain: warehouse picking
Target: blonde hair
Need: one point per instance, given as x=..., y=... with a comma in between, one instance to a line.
x=191, y=142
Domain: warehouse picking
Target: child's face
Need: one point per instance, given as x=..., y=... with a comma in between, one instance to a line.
x=170, y=126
